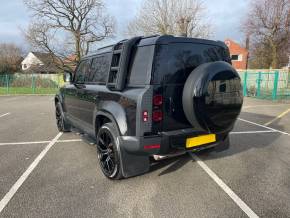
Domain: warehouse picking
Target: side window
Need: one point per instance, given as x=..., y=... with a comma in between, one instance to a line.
x=100, y=69
x=142, y=62
x=82, y=72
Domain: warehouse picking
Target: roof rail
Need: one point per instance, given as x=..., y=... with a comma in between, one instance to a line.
x=107, y=46
x=124, y=40
x=146, y=37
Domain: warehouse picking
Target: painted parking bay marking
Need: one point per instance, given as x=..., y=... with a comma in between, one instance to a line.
x=253, y=132
x=266, y=127
x=26, y=174
x=39, y=142
x=3, y=115
x=278, y=117
x=244, y=207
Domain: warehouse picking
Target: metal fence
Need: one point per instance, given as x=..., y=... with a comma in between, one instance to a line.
x=30, y=83
x=266, y=84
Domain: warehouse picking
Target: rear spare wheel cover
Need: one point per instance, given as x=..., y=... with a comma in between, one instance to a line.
x=212, y=97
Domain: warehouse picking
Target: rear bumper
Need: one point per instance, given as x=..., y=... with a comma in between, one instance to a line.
x=168, y=142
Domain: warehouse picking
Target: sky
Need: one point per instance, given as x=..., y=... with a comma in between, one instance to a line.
x=224, y=15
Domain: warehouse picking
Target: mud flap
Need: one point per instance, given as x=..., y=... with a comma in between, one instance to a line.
x=224, y=145
x=132, y=164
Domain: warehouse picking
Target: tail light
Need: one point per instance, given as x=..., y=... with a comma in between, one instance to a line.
x=157, y=116
x=146, y=147
x=145, y=116
x=157, y=100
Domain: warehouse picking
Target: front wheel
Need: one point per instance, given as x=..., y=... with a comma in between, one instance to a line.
x=108, y=153
x=62, y=125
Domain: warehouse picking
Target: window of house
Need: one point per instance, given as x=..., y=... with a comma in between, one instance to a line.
x=237, y=57
x=24, y=66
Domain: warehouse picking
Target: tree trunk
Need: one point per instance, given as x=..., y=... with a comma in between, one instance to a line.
x=274, y=63
x=78, y=46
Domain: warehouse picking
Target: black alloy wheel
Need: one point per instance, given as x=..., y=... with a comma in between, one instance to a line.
x=107, y=152
x=60, y=122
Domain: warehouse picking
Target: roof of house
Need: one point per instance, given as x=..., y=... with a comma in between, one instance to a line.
x=45, y=58
x=49, y=63
x=232, y=44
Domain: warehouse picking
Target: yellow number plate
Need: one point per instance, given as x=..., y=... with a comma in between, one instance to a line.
x=200, y=140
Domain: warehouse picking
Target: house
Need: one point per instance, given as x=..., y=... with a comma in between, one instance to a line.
x=37, y=62
x=239, y=54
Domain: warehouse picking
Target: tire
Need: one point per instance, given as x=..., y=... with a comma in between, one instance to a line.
x=62, y=125
x=212, y=97
x=108, y=152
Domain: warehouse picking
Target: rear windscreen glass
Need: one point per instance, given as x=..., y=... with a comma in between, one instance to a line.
x=174, y=62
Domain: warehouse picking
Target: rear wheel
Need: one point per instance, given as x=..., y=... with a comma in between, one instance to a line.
x=62, y=125
x=108, y=153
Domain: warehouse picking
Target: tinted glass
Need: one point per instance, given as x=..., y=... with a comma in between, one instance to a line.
x=141, y=65
x=100, y=69
x=82, y=72
x=174, y=62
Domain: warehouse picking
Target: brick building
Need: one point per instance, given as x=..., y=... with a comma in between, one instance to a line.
x=239, y=54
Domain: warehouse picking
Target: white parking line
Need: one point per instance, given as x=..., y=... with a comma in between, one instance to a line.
x=244, y=207
x=26, y=174
x=39, y=142
x=71, y=140
x=3, y=115
x=23, y=143
x=252, y=132
x=276, y=130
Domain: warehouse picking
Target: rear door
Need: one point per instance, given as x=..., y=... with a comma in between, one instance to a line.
x=174, y=63
x=94, y=82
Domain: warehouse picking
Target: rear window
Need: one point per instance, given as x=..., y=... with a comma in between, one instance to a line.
x=174, y=62
x=100, y=68
x=141, y=66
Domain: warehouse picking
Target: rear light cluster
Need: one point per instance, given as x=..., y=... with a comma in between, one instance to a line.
x=157, y=114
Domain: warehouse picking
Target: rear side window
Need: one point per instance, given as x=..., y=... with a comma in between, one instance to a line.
x=141, y=65
x=82, y=72
x=100, y=69
x=174, y=62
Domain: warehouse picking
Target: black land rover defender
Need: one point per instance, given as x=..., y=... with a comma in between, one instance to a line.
x=151, y=96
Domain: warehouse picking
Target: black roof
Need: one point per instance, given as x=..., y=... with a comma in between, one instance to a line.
x=160, y=40
x=167, y=39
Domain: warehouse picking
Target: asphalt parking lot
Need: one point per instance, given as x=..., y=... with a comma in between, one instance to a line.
x=47, y=174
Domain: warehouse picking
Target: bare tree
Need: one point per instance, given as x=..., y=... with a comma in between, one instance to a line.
x=10, y=58
x=268, y=24
x=63, y=27
x=175, y=17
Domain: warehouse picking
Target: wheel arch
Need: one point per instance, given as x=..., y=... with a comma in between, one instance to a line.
x=114, y=112
x=57, y=99
x=102, y=117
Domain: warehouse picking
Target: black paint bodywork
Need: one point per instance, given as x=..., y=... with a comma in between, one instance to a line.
x=163, y=69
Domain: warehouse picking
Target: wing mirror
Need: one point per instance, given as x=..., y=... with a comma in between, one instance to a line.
x=67, y=76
